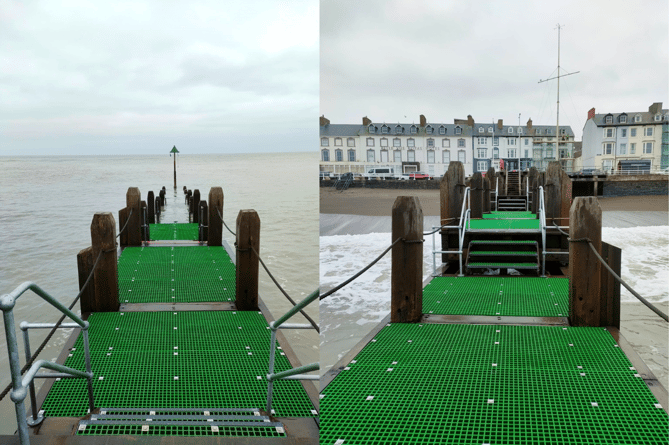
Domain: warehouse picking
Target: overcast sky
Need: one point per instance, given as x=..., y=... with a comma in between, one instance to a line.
x=93, y=77
x=447, y=59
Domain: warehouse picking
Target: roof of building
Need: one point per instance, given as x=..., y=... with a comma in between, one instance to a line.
x=346, y=130
x=646, y=118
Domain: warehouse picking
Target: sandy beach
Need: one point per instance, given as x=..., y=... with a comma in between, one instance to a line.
x=379, y=202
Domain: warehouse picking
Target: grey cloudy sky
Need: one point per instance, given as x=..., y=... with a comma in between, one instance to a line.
x=448, y=59
x=82, y=77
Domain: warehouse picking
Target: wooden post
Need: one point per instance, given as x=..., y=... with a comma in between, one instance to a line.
x=477, y=196
x=248, y=237
x=557, y=198
x=195, y=206
x=215, y=232
x=85, y=262
x=150, y=202
x=451, y=193
x=486, y=195
x=122, y=220
x=406, y=291
x=189, y=195
x=161, y=195
x=585, y=221
x=103, y=239
x=491, y=177
x=204, y=216
x=610, y=287
x=133, y=201
x=157, y=207
x=144, y=224
x=532, y=180
x=185, y=189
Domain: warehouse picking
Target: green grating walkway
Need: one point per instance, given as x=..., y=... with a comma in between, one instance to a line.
x=476, y=384
x=174, y=231
x=504, y=296
x=175, y=275
x=504, y=224
x=214, y=359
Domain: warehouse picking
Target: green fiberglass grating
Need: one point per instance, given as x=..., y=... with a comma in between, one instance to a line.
x=504, y=224
x=504, y=296
x=174, y=430
x=177, y=360
x=174, y=231
x=521, y=384
x=509, y=215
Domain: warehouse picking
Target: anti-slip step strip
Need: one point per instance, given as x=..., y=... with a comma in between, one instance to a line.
x=174, y=231
x=176, y=275
x=504, y=224
x=471, y=265
x=178, y=360
x=502, y=253
x=490, y=295
x=475, y=384
x=502, y=242
x=502, y=215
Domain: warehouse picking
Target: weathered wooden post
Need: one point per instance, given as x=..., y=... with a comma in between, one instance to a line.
x=157, y=207
x=103, y=239
x=144, y=221
x=477, y=196
x=451, y=193
x=585, y=221
x=406, y=290
x=486, y=195
x=195, y=206
x=123, y=226
x=85, y=263
x=610, y=287
x=150, y=202
x=248, y=238
x=189, y=196
x=162, y=198
x=491, y=177
x=204, y=215
x=215, y=222
x=557, y=202
x=133, y=202
x=534, y=189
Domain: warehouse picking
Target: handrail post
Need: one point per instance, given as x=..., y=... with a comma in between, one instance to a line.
x=18, y=393
x=406, y=302
x=248, y=239
x=35, y=419
x=451, y=196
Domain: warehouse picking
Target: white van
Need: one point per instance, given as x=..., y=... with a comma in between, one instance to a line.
x=380, y=172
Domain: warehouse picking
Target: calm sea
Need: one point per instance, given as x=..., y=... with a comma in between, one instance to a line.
x=47, y=204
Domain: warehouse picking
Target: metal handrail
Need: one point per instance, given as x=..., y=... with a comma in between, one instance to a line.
x=19, y=393
x=497, y=194
x=295, y=373
x=542, y=220
x=464, y=216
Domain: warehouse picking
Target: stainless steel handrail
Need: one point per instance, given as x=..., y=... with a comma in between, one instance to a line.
x=542, y=219
x=20, y=385
x=295, y=373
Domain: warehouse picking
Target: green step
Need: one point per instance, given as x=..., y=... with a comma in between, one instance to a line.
x=503, y=266
x=496, y=241
x=501, y=252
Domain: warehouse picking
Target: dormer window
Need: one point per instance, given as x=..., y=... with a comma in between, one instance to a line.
x=413, y=129
x=489, y=129
x=399, y=130
x=385, y=129
x=538, y=131
x=442, y=130
x=622, y=119
x=480, y=129
x=458, y=130
x=658, y=117
x=510, y=130
x=609, y=119
x=637, y=118
x=563, y=131
x=372, y=129
x=520, y=131
x=428, y=129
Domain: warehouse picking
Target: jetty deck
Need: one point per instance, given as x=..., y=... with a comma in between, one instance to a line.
x=178, y=358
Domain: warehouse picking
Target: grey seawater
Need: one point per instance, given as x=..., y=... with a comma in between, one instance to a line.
x=47, y=205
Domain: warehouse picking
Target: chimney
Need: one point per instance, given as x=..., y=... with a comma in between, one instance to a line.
x=470, y=120
x=591, y=113
x=500, y=123
x=655, y=108
x=423, y=121
x=324, y=121
x=529, y=124
x=366, y=122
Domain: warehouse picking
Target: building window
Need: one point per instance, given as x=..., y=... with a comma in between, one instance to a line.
x=495, y=140
x=446, y=143
x=549, y=153
x=607, y=164
x=510, y=130
x=512, y=152
x=489, y=129
x=511, y=141
x=637, y=118
x=520, y=131
x=609, y=119
x=411, y=156
x=527, y=141
x=446, y=157
x=337, y=142
x=372, y=129
x=482, y=141
x=647, y=148
x=458, y=130
x=325, y=155
x=384, y=129
x=495, y=153
x=339, y=155
x=482, y=152
x=325, y=142
x=658, y=117
x=428, y=129
x=371, y=156
x=623, y=149
x=384, y=142
x=633, y=148
x=397, y=156
x=632, y=132
x=461, y=143
x=462, y=156
x=384, y=156
x=481, y=166
x=648, y=131
x=608, y=148
x=351, y=156
x=370, y=142
x=609, y=132
x=397, y=142
x=350, y=142
x=480, y=129
x=538, y=131
x=430, y=156
x=527, y=153
x=622, y=119
x=413, y=129
x=623, y=132
x=411, y=142
x=442, y=130
x=398, y=130
x=430, y=143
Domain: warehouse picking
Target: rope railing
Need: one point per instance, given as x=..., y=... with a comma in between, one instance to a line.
x=125, y=225
x=313, y=323
x=226, y=226
x=648, y=304
x=332, y=291
x=58, y=323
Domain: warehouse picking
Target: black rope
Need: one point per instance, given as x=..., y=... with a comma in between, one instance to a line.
x=226, y=226
x=332, y=291
x=648, y=304
x=53, y=330
x=125, y=225
x=313, y=323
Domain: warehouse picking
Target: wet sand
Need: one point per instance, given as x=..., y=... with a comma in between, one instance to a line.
x=379, y=202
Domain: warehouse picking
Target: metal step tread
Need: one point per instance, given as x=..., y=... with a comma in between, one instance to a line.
x=501, y=241
x=503, y=253
x=533, y=266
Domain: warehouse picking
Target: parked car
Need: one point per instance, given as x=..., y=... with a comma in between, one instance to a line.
x=404, y=176
x=380, y=173
x=323, y=175
x=419, y=175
